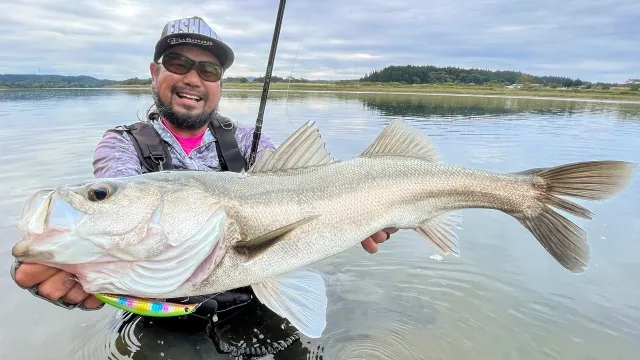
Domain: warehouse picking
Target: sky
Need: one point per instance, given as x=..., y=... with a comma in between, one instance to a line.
x=331, y=39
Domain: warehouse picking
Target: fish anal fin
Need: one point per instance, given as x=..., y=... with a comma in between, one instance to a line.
x=400, y=139
x=258, y=244
x=302, y=149
x=300, y=297
x=439, y=231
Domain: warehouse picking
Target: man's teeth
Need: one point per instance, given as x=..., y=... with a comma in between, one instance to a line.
x=185, y=96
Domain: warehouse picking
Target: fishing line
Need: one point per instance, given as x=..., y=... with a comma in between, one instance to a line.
x=208, y=299
x=286, y=94
x=72, y=279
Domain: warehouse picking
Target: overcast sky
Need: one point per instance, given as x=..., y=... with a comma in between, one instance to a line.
x=332, y=39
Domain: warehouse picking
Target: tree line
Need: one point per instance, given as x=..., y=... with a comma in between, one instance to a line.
x=429, y=74
x=408, y=74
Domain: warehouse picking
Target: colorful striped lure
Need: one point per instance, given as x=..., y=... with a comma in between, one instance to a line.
x=147, y=307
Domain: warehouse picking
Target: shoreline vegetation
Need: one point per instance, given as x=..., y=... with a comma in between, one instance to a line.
x=460, y=89
x=400, y=79
x=436, y=89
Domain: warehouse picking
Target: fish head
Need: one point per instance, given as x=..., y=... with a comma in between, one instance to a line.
x=102, y=212
x=139, y=236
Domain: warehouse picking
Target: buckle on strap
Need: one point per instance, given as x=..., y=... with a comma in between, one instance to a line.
x=226, y=124
x=157, y=155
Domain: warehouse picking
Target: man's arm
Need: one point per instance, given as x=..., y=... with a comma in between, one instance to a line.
x=115, y=156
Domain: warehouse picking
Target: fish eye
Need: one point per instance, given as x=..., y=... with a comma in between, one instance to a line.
x=99, y=192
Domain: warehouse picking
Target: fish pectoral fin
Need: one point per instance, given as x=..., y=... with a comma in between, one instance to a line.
x=438, y=231
x=262, y=242
x=304, y=148
x=300, y=297
x=400, y=139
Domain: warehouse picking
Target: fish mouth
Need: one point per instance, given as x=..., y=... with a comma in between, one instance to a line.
x=26, y=250
x=46, y=221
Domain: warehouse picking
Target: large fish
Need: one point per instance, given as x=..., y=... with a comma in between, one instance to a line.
x=183, y=233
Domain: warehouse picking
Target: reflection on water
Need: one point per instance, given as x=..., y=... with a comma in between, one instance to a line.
x=504, y=298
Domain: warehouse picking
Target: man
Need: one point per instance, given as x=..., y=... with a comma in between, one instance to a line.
x=186, y=71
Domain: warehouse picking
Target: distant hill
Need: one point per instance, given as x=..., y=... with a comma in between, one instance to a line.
x=35, y=81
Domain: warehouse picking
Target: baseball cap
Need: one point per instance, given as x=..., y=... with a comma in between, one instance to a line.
x=193, y=31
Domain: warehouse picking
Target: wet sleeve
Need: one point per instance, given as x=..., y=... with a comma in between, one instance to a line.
x=115, y=157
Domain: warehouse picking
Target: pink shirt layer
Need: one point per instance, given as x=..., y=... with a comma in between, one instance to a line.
x=187, y=143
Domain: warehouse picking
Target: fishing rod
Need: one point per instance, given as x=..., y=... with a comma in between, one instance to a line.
x=265, y=88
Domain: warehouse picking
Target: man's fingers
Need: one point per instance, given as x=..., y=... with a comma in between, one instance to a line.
x=54, y=284
x=91, y=302
x=55, y=287
x=369, y=245
x=28, y=275
x=390, y=230
x=75, y=295
x=379, y=237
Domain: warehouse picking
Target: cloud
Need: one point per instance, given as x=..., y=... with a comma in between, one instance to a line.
x=594, y=41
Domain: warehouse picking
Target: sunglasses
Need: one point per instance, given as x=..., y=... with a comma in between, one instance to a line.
x=180, y=64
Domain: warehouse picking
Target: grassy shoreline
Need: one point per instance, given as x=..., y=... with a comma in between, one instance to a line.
x=543, y=92
x=599, y=94
x=615, y=93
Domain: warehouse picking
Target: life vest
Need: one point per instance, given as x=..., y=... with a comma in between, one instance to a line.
x=154, y=154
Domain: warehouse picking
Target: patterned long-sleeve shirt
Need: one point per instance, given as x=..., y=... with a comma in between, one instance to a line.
x=115, y=155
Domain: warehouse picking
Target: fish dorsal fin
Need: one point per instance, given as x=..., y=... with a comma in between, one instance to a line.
x=401, y=140
x=304, y=148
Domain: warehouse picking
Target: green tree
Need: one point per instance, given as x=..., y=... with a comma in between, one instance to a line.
x=525, y=79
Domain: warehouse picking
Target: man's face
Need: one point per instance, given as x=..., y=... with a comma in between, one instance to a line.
x=169, y=90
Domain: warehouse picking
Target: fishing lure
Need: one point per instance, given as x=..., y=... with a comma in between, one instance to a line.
x=147, y=307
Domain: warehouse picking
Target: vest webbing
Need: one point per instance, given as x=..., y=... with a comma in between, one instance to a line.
x=154, y=155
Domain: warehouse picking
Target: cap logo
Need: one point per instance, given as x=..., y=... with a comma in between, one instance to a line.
x=178, y=40
x=190, y=26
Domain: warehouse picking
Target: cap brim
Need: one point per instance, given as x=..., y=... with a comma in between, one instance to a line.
x=217, y=48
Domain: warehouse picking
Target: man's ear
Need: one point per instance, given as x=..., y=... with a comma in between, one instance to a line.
x=153, y=69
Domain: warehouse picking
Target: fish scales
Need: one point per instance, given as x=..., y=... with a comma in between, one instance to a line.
x=184, y=233
x=415, y=188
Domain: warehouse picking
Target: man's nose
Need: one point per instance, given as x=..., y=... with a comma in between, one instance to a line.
x=192, y=78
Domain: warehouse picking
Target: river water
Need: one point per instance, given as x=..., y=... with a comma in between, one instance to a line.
x=504, y=298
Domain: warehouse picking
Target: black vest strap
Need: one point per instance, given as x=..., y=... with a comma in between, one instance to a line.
x=231, y=158
x=152, y=151
x=154, y=155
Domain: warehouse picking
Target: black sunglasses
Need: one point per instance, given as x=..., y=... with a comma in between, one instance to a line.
x=180, y=64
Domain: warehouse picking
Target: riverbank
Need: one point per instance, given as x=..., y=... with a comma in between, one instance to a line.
x=615, y=93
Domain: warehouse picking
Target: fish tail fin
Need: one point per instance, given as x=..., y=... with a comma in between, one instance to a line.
x=593, y=180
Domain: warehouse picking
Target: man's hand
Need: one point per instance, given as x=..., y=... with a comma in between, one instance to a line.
x=55, y=284
x=370, y=244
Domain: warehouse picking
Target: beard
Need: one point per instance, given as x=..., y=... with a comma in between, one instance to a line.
x=182, y=121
